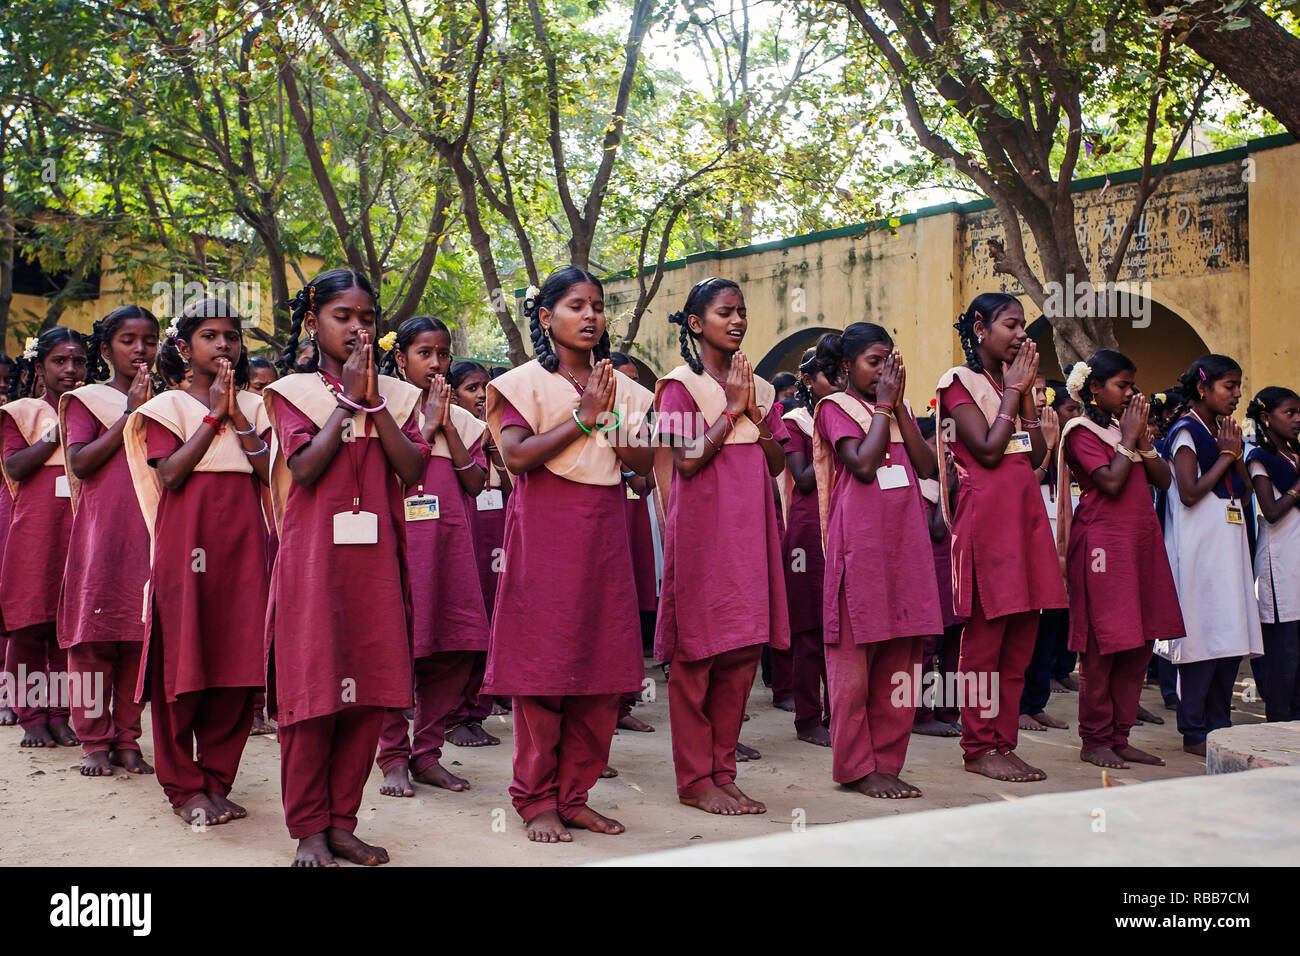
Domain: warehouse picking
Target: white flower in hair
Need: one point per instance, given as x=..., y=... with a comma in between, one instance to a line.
x=531, y=294
x=174, y=329
x=1078, y=376
x=29, y=348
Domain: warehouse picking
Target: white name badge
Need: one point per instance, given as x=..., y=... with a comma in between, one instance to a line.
x=891, y=476
x=489, y=500
x=1075, y=490
x=1235, y=515
x=1018, y=445
x=61, y=487
x=632, y=495
x=359, y=527
x=421, y=507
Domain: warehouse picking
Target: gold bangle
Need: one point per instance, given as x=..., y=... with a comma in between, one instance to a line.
x=1126, y=453
x=1150, y=453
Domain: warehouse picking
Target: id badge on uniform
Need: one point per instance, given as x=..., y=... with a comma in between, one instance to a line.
x=891, y=476
x=1235, y=515
x=421, y=507
x=356, y=527
x=489, y=500
x=632, y=495
x=1075, y=491
x=61, y=487
x=1019, y=444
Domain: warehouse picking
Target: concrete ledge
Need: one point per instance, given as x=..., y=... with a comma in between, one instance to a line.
x=1221, y=820
x=1252, y=746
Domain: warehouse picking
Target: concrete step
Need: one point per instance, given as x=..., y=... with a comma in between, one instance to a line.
x=1252, y=746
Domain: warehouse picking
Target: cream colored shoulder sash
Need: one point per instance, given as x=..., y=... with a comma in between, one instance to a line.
x=986, y=400
x=824, y=451
x=35, y=418
x=104, y=402
x=1064, y=503
x=546, y=401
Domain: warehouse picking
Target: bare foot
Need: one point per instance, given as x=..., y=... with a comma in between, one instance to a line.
x=547, y=827
x=744, y=753
x=589, y=819
x=714, y=800
x=96, y=765
x=1058, y=687
x=63, y=733
x=7, y=717
x=634, y=724
x=819, y=735
x=482, y=735
x=1139, y=756
x=314, y=851
x=1197, y=750
x=1047, y=720
x=936, y=728
x=505, y=703
x=1032, y=772
x=397, y=781
x=227, y=806
x=435, y=775
x=1069, y=682
x=608, y=772
x=38, y=736
x=994, y=765
x=1029, y=723
x=747, y=805
x=131, y=760
x=886, y=785
x=261, y=726
x=498, y=710
x=345, y=844
x=462, y=735
x=1146, y=717
x=199, y=811
x=784, y=703
x=1103, y=757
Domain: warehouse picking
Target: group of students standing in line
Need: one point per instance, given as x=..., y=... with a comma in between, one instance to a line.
x=374, y=532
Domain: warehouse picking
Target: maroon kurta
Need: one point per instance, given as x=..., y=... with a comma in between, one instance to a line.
x=643, y=551
x=723, y=587
x=803, y=532
x=1001, y=540
x=339, y=624
x=37, y=547
x=1125, y=596
x=489, y=540
x=108, y=558
x=447, y=599
x=888, y=593
x=208, y=584
x=566, y=620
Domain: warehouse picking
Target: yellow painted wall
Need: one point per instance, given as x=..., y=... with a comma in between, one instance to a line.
x=1217, y=247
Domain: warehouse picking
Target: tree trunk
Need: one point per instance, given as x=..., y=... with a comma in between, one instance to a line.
x=1263, y=59
x=6, y=276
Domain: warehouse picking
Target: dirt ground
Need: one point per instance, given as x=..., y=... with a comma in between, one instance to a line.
x=51, y=815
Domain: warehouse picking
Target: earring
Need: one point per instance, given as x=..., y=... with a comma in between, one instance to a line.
x=979, y=339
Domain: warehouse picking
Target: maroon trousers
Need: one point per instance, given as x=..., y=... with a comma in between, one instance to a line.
x=782, y=674
x=1002, y=647
x=561, y=746
x=1110, y=686
x=472, y=707
x=706, y=706
x=198, y=739
x=626, y=702
x=35, y=650
x=324, y=764
x=112, y=668
x=812, y=704
x=871, y=720
x=440, y=684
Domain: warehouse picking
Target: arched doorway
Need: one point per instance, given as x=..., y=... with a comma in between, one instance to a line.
x=785, y=355
x=1161, y=350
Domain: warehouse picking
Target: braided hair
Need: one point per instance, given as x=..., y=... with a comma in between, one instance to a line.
x=101, y=334
x=835, y=350
x=1267, y=401
x=406, y=333
x=698, y=301
x=1207, y=369
x=312, y=298
x=811, y=365
x=985, y=307
x=170, y=360
x=553, y=289
x=22, y=377
x=1103, y=365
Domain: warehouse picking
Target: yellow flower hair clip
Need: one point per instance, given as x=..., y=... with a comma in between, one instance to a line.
x=1050, y=395
x=388, y=341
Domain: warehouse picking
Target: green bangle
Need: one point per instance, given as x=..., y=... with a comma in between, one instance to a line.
x=579, y=421
x=617, y=424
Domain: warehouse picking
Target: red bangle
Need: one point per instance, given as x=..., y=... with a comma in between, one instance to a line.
x=209, y=420
x=731, y=419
